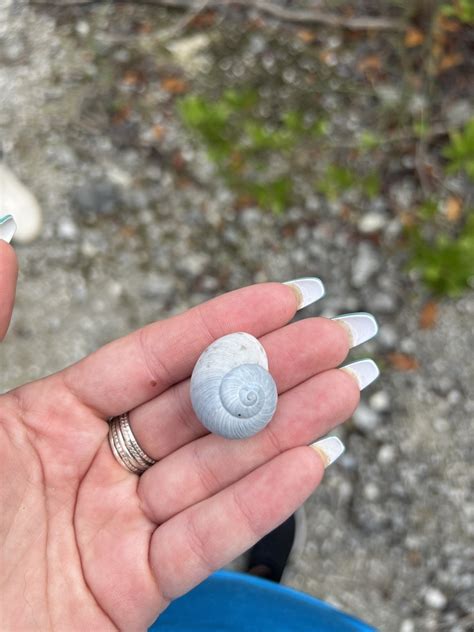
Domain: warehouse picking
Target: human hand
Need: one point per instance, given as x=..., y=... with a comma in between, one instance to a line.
x=87, y=545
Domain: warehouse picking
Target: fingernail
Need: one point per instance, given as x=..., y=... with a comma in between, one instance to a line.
x=365, y=371
x=7, y=228
x=307, y=290
x=329, y=448
x=361, y=326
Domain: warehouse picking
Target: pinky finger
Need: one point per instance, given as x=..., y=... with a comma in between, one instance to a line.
x=8, y=274
x=205, y=537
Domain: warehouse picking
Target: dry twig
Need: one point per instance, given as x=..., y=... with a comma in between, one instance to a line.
x=298, y=16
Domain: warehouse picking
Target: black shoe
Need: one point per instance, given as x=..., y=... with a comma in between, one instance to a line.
x=268, y=558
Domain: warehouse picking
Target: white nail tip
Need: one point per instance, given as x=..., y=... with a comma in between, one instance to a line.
x=329, y=448
x=7, y=228
x=366, y=371
x=362, y=326
x=311, y=290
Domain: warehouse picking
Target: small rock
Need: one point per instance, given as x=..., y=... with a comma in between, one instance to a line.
x=387, y=336
x=435, y=599
x=454, y=397
x=371, y=223
x=194, y=263
x=380, y=401
x=366, y=264
x=371, y=491
x=403, y=193
x=389, y=94
x=386, y=455
x=97, y=198
x=16, y=200
x=408, y=345
x=365, y=418
x=67, y=229
x=157, y=286
x=459, y=112
x=82, y=28
x=407, y=626
x=188, y=51
x=385, y=303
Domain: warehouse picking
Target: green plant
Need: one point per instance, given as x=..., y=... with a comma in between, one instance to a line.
x=462, y=10
x=242, y=143
x=339, y=179
x=460, y=151
x=445, y=262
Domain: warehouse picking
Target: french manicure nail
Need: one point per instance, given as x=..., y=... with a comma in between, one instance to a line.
x=7, y=228
x=361, y=326
x=365, y=371
x=329, y=448
x=308, y=290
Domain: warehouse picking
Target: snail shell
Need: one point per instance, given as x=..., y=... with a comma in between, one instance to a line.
x=232, y=392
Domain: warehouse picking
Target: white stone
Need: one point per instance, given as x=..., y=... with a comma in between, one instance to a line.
x=16, y=200
x=435, y=599
x=67, y=229
x=407, y=626
x=188, y=51
x=380, y=401
x=371, y=491
x=386, y=455
x=371, y=223
x=365, y=418
x=365, y=265
x=82, y=28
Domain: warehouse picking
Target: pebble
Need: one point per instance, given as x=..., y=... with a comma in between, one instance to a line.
x=387, y=336
x=380, y=401
x=384, y=303
x=371, y=223
x=365, y=418
x=435, y=599
x=386, y=455
x=371, y=491
x=459, y=112
x=97, y=198
x=365, y=265
x=407, y=626
x=82, y=28
x=67, y=229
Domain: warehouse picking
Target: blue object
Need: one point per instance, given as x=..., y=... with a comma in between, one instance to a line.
x=234, y=602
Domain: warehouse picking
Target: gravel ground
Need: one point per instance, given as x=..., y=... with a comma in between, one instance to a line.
x=136, y=230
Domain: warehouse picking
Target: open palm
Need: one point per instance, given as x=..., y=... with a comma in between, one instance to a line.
x=87, y=545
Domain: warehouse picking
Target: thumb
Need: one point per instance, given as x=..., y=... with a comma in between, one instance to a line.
x=8, y=272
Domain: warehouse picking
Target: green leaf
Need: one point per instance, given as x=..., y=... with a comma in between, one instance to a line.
x=460, y=151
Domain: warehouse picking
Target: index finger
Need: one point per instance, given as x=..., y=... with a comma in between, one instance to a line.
x=140, y=366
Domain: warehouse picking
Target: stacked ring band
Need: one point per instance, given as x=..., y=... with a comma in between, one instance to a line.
x=125, y=447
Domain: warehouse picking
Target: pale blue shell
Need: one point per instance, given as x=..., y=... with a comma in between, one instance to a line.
x=232, y=392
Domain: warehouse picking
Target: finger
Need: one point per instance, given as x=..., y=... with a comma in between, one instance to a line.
x=295, y=353
x=208, y=465
x=198, y=541
x=8, y=277
x=140, y=366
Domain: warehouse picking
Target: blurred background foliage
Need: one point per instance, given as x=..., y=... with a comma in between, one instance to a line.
x=245, y=142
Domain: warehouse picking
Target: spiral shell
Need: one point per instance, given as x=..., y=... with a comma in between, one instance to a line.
x=232, y=392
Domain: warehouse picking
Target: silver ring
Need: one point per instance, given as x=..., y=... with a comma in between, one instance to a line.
x=125, y=447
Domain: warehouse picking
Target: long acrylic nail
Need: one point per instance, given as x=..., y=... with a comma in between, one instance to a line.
x=329, y=448
x=308, y=290
x=365, y=371
x=361, y=326
x=7, y=228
